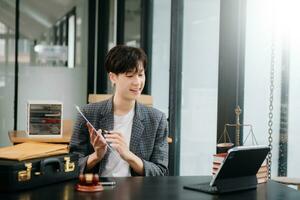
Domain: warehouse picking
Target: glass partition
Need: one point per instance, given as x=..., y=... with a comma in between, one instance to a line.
x=199, y=86
x=47, y=33
x=52, y=50
x=7, y=68
x=132, y=24
x=161, y=54
x=271, y=97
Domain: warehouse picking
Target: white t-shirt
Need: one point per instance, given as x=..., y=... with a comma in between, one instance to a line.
x=116, y=166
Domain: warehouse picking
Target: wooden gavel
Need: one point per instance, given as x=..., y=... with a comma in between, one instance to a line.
x=88, y=179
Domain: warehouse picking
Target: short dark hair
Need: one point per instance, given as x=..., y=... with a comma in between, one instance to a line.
x=122, y=59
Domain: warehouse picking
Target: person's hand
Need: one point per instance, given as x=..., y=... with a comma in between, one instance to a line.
x=98, y=142
x=117, y=141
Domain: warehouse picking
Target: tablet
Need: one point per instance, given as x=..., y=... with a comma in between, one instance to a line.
x=241, y=161
x=237, y=171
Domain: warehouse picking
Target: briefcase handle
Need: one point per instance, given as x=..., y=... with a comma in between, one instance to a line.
x=51, y=161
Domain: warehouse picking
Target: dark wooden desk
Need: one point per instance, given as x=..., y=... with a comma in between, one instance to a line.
x=152, y=188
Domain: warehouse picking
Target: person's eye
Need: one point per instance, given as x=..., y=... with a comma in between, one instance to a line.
x=141, y=75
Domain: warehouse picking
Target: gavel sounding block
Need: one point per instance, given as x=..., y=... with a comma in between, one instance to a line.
x=89, y=183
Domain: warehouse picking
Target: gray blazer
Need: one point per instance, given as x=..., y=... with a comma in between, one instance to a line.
x=148, y=138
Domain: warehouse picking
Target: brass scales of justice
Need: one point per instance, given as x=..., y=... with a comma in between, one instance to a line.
x=224, y=141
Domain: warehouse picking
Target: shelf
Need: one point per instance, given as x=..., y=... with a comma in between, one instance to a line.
x=21, y=136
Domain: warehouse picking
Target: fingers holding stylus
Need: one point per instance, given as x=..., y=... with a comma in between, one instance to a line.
x=115, y=137
x=118, y=142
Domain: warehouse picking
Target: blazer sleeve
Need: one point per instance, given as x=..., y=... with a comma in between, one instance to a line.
x=80, y=143
x=158, y=163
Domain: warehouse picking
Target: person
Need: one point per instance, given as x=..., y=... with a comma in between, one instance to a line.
x=135, y=143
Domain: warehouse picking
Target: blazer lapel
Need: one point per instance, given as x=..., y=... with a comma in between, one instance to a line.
x=137, y=130
x=105, y=117
x=106, y=122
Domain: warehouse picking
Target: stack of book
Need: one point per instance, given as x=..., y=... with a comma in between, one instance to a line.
x=262, y=174
x=217, y=161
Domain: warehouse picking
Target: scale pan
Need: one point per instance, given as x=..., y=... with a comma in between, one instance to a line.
x=225, y=145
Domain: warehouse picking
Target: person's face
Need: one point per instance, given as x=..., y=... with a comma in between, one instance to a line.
x=129, y=85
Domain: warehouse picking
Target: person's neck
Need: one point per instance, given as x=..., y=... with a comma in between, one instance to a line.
x=122, y=106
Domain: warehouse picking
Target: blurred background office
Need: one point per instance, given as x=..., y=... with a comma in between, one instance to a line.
x=206, y=57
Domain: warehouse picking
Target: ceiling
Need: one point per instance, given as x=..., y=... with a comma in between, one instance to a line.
x=36, y=16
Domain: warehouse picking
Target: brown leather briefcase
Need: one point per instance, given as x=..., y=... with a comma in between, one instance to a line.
x=20, y=175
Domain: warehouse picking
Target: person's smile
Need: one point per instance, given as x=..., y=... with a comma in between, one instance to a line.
x=135, y=90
